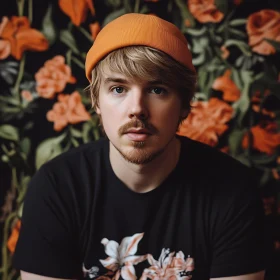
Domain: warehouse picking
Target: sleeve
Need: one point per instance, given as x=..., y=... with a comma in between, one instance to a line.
x=48, y=238
x=239, y=243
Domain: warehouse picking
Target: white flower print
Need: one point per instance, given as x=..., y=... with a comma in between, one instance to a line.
x=121, y=258
x=92, y=272
x=169, y=267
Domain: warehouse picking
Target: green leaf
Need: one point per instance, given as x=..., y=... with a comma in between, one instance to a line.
x=74, y=142
x=244, y=159
x=67, y=38
x=275, y=44
x=113, y=3
x=195, y=32
x=113, y=16
x=9, y=132
x=202, y=78
x=266, y=177
x=222, y=5
x=144, y=10
x=239, y=61
x=25, y=145
x=243, y=103
x=264, y=159
x=87, y=127
x=240, y=44
x=234, y=141
x=237, y=32
x=185, y=13
x=199, y=59
x=127, y=6
x=237, y=78
x=237, y=22
x=48, y=28
x=5, y=158
x=75, y=132
x=48, y=149
x=10, y=100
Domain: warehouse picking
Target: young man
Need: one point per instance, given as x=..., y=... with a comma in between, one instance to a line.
x=144, y=203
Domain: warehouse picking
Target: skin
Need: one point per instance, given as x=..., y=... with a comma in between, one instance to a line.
x=142, y=164
x=141, y=160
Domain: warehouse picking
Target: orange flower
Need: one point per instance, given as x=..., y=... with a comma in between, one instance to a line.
x=275, y=174
x=265, y=139
x=5, y=49
x=205, y=10
x=12, y=241
x=225, y=149
x=76, y=10
x=21, y=37
x=225, y=52
x=26, y=94
x=187, y=23
x=224, y=83
x=206, y=121
x=94, y=29
x=263, y=25
x=68, y=109
x=53, y=77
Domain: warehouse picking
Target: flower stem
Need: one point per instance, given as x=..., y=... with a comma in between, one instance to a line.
x=19, y=78
x=20, y=4
x=69, y=57
x=136, y=6
x=78, y=62
x=30, y=11
x=4, y=245
x=86, y=33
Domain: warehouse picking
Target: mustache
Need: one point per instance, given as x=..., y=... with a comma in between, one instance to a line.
x=136, y=123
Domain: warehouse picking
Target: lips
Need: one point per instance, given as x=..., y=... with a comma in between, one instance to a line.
x=138, y=131
x=137, y=134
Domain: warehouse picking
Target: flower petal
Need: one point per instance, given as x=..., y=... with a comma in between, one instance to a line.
x=111, y=248
x=129, y=245
x=135, y=259
x=128, y=272
x=110, y=263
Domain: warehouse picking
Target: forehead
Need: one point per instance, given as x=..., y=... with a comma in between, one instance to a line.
x=110, y=76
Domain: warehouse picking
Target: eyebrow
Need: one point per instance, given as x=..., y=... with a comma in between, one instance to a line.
x=124, y=81
x=115, y=80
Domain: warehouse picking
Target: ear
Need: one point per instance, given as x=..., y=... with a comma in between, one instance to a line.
x=97, y=110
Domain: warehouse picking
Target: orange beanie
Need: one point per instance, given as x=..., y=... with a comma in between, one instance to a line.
x=139, y=29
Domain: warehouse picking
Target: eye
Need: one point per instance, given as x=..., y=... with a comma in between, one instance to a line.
x=158, y=90
x=117, y=90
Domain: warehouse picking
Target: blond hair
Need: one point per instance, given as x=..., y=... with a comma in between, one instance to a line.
x=145, y=63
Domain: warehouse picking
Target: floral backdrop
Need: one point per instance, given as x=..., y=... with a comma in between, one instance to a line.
x=45, y=110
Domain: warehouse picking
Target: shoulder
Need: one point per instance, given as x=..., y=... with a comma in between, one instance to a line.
x=215, y=169
x=77, y=158
x=72, y=169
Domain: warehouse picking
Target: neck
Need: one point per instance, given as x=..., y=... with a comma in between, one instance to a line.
x=146, y=177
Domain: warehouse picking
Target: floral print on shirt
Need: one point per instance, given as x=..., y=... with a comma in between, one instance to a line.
x=122, y=258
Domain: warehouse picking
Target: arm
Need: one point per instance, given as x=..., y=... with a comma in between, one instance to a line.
x=47, y=243
x=30, y=276
x=252, y=276
x=239, y=249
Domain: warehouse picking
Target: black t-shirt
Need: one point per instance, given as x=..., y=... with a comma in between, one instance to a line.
x=80, y=221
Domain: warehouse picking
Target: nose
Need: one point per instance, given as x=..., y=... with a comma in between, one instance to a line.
x=137, y=106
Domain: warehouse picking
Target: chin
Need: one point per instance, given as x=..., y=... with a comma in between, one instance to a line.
x=139, y=154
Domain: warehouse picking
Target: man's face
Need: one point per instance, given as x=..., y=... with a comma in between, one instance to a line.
x=139, y=117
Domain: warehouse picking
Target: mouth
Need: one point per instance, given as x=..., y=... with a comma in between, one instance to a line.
x=137, y=134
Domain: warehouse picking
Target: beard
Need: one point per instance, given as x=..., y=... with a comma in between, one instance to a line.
x=139, y=154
